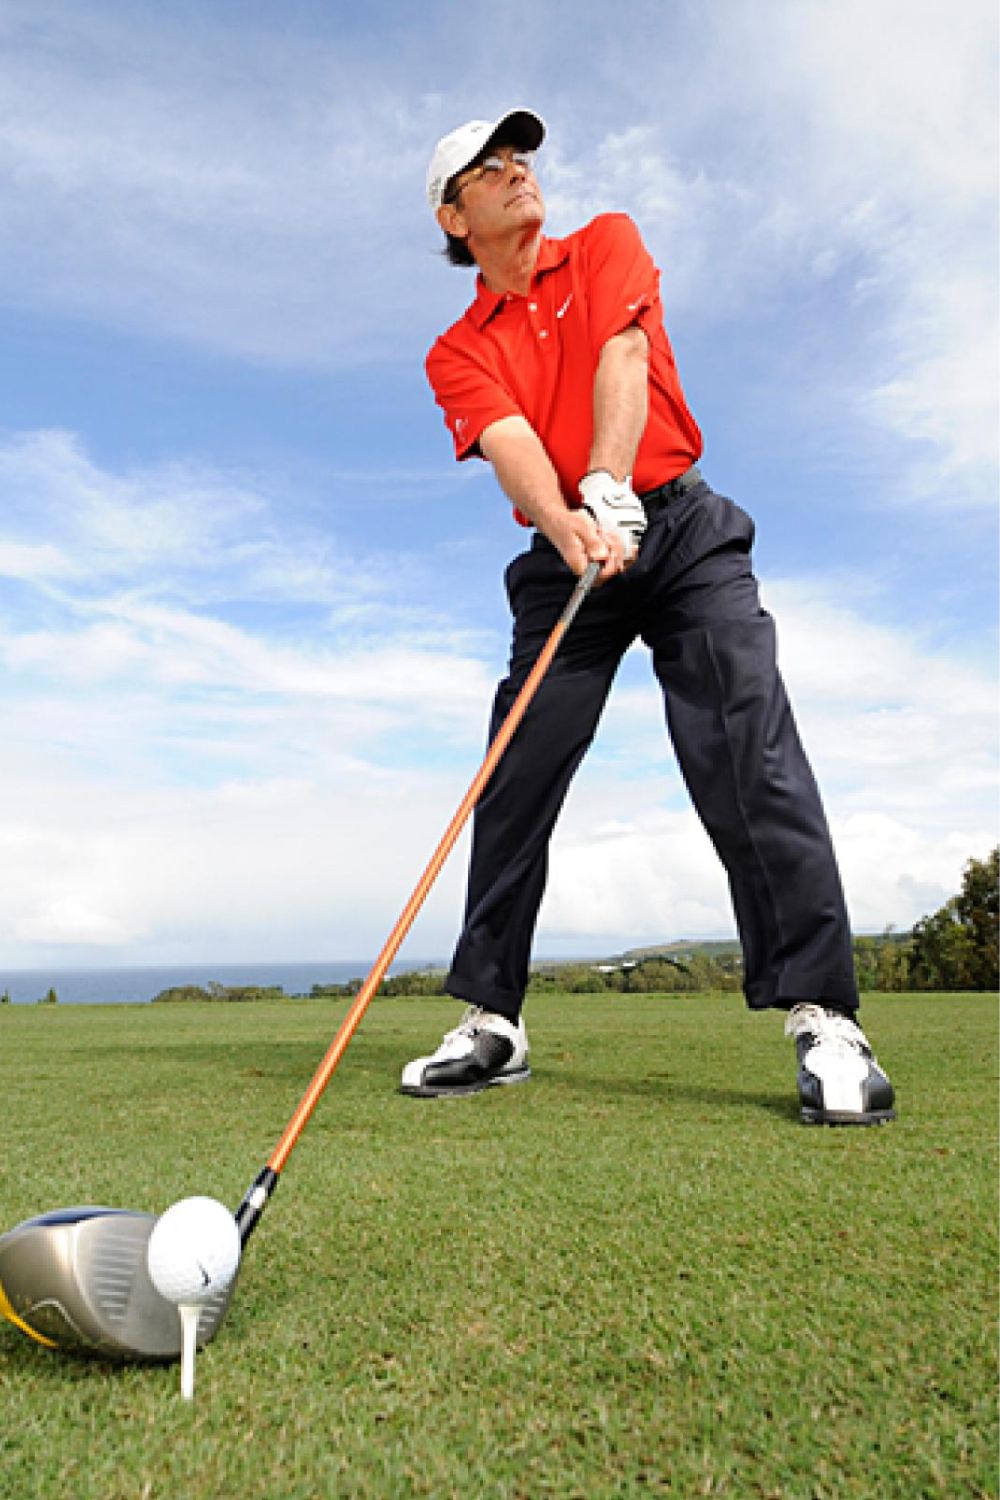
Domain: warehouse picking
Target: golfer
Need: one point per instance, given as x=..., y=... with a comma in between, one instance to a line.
x=561, y=376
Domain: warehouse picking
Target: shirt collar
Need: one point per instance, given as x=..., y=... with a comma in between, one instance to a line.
x=551, y=254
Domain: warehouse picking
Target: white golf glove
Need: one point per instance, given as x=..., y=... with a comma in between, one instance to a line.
x=615, y=506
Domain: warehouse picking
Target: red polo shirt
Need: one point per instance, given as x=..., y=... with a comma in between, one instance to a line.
x=536, y=356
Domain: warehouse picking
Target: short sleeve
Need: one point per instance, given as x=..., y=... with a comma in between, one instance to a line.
x=469, y=390
x=623, y=282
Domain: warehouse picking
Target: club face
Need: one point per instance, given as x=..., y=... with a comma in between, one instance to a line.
x=76, y=1280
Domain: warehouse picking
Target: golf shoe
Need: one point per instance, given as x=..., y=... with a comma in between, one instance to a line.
x=840, y=1081
x=484, y=1050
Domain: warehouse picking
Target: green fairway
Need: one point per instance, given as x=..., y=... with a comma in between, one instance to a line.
x=637, y=1274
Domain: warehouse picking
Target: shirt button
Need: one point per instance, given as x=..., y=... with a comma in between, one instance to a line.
x=533, y=306
x=543, y=333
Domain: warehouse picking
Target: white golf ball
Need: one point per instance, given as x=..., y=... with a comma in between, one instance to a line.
x=194, y=1250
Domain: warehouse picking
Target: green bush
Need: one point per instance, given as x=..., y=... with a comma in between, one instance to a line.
x=215, y=991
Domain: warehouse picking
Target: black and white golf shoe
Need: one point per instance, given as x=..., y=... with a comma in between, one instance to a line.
x=483, y=1050
x=840, y=1081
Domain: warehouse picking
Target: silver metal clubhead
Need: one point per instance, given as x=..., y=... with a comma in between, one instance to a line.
x=76, y=1280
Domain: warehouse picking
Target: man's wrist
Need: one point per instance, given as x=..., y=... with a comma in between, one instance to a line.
x=614, y=506
x=618, y=477
x=600, y=487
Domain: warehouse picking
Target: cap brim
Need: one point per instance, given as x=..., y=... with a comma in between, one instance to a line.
x=521, y=127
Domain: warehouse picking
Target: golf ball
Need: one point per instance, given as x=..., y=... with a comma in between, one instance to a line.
x=194, y=1250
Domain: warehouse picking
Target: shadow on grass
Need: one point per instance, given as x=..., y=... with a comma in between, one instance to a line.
x=54, y=1368
x=659, y=1086
x=385, y=1051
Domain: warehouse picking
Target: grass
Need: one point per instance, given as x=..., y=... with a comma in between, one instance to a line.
x=637, y=1275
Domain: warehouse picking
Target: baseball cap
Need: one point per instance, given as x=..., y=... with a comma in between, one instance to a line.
x=520, y=127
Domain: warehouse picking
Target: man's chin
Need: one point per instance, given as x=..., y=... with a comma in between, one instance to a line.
x=528, y=216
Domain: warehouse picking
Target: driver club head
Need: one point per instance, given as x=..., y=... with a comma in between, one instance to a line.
x=76, y=1280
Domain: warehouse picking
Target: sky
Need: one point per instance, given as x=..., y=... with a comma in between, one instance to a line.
x=251, y=610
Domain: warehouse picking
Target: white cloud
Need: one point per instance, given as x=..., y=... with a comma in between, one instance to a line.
x=849, y=149
x=893, y=722
x=107, y=524
x=113, y=545
x=625, y=884
x=888, y=112
x=35, y=561
x=114, y=870
x=263, y=816
x=71, y=922
x=150, y=664
x=170, y=778
x=177, y=781
x=660, y=878
x=897, y=871
x=901, y=733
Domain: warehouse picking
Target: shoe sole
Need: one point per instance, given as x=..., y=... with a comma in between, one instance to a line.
x=836, y=1117
x=428, y=1091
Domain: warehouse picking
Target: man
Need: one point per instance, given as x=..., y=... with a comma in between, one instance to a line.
x=560, y=375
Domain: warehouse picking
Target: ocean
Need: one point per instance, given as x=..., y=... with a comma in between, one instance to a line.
x=137, y=986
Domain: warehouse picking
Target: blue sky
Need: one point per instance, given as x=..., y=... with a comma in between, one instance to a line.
x=250, y=609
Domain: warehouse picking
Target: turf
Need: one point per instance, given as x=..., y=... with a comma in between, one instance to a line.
x=636, y=1275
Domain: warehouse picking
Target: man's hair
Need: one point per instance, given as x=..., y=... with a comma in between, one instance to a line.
x=456, y=251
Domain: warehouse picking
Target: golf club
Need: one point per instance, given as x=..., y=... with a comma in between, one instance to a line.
x=77, y=1280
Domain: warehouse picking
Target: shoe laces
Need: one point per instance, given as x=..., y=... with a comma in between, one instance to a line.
x=830, y=1027
x=469, y=1024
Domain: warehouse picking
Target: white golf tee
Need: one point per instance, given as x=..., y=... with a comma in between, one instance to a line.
x=189, y=1313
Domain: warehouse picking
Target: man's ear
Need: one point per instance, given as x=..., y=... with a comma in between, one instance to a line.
x=452, y=221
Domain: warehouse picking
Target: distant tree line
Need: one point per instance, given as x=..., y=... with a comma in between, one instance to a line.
x=955, y=949
x=215, y=991
x=51, y=998
x=413, y=982
x=658, y=974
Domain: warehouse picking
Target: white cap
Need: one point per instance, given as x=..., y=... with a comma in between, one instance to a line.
x=520, y=127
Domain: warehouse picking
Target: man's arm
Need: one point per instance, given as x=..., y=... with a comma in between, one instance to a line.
x=621, y=408
x=527, y=477
x=621, y=402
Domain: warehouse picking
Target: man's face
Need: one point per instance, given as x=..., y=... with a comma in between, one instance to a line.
x=490, y=202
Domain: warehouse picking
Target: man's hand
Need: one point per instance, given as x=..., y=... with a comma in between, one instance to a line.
x=616, y=509
x=577, y=538
x=526, y=475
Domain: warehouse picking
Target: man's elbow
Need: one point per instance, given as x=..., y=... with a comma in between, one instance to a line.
x=630, y=345
x=499, y=435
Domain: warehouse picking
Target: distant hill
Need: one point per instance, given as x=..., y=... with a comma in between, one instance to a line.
x=683, y=948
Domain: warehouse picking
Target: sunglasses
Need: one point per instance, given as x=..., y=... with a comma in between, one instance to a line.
x=492, y=169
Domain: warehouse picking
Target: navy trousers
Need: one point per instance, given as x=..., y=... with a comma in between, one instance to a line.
x=692, y=598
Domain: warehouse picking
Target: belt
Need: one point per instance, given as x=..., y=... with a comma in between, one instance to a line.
x=653, y=501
